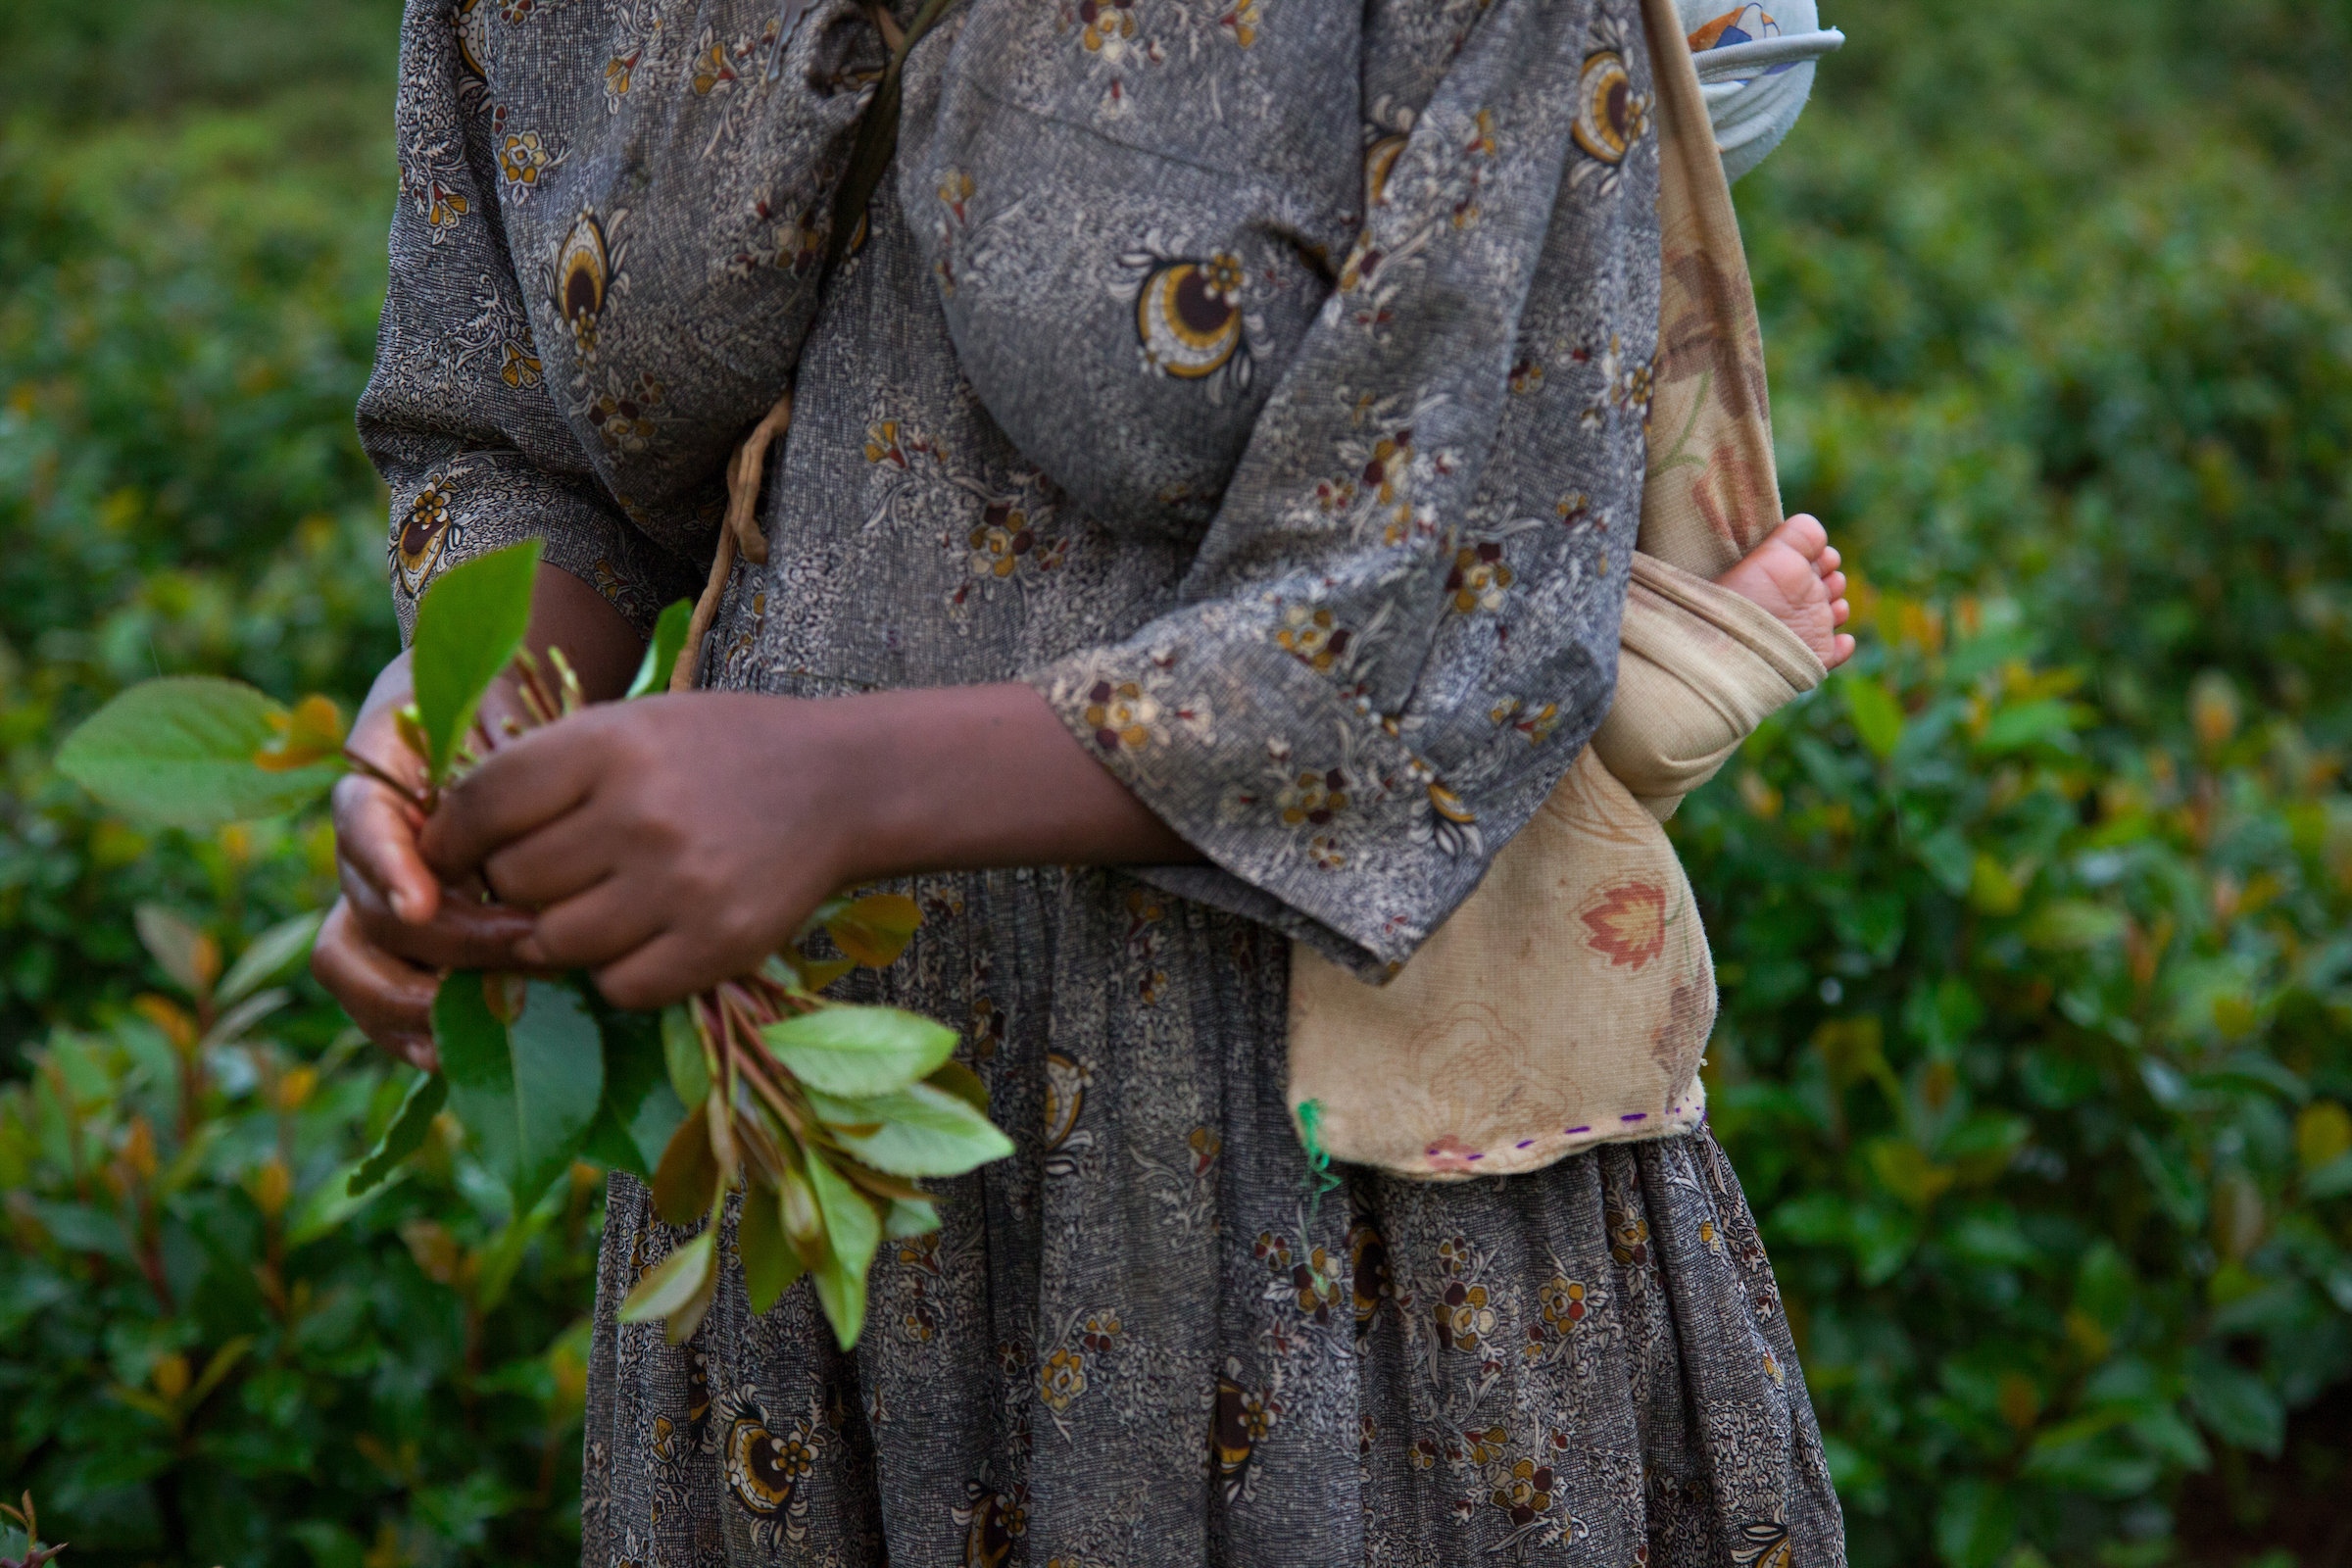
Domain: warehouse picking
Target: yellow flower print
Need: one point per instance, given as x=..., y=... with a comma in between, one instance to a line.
x=1004, y=541
x=1463, y=1316
x=1487, y=1446
x=1120, y=716
x=524, y=158
x=1105, y=22
x=1565, y=1302
x=1479, y=577
x=1063, y=1378
x=625, y=422
x=956, y=189
x=1312, y=637
x=442, y=206
x=1242, y=21
x=1522, y=1489
x=521, y=367
x=712, y=71
x=1323, y=852
x=1315, y=798
x=1527, y=375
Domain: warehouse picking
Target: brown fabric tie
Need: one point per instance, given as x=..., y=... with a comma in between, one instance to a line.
x=740, y=533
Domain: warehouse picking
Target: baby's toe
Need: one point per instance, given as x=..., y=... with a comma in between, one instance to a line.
x=1828, y=561
x=1804, y=534
x=1835, y=584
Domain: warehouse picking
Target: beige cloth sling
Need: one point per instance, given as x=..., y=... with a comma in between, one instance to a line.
x=1568, y=1001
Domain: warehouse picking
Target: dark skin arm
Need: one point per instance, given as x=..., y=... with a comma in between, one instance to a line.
x=668, y=842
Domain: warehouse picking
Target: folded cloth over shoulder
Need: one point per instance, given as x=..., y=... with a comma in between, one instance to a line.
x=1567, y=1001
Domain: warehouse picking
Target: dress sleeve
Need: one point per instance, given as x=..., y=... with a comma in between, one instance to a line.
x=457, y=415
x=1402, y=624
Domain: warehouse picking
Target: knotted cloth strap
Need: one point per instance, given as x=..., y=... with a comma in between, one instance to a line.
x=870, y=157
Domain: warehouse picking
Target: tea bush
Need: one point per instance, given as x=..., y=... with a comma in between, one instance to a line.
x=2031, y=927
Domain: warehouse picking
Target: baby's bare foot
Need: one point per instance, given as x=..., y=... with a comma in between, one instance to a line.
x=1794, y=576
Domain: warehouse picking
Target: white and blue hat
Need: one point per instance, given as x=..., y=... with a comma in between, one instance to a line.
x=1755, y=66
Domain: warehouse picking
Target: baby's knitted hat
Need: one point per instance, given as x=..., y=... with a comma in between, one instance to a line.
x=1755, y=66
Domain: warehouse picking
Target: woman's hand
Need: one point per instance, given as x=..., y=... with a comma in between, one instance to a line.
x=672, y=842
x=397, y=928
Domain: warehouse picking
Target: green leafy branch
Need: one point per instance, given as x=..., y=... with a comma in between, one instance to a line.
x=822, y=1113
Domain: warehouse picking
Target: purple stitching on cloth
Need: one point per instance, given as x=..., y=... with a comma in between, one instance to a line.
x=1572, y=1131
x=1638, y=1115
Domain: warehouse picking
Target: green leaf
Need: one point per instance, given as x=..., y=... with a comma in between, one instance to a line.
x=639, y=1111
x=1877, y=716
x=682, y=1055
x=404, y=1136
x=859, y=1050
x=852, y=1227
x=2237, y=1405
x=672, y=1283
x=526, y=1092
x=661, y=654
x=2047, y=723
x=2068, y=923
x=924, y=1132
x=269, y=955
x=909, y=1219
x=961, y=1082
x=769, y=1263
x=686, y=1177
x=469, y=630
x=179, y=753
x=332, y=1202
x=852, y=1230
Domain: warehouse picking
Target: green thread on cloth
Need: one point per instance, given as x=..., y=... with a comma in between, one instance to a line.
x=1320, y=1178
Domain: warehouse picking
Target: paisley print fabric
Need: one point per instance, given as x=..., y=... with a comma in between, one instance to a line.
x=1265, y=383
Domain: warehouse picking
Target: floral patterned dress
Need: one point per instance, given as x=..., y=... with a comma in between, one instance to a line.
x=1264, y=381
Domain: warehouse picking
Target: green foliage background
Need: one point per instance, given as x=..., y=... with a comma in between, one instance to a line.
x=2032, y=927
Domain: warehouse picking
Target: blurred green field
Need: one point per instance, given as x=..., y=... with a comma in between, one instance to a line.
x=2035, y=928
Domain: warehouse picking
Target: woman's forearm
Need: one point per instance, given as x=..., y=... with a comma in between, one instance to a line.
x=963, y=778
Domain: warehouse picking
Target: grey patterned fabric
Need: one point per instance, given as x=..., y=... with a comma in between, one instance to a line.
x=1265, y=383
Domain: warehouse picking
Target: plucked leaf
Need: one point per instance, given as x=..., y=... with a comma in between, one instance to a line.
x=909, y=1219
x=961, y=1082
x=923, y=1131
x=859, y=1050
x=661, y=654
x=672, y=1285
x=875, y=929
x=852, y=1225
x=854, y=1229
x=769, y=1265
x=404, y=1136
x=469, y=630
x=526, y=1092
x=269, y=956
x=686, y=1178
x=179, y=752
x=803, y=1221
x=639, y=1111
x=682, y=1055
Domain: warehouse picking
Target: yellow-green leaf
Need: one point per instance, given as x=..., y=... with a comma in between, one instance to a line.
x=859, y=1050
